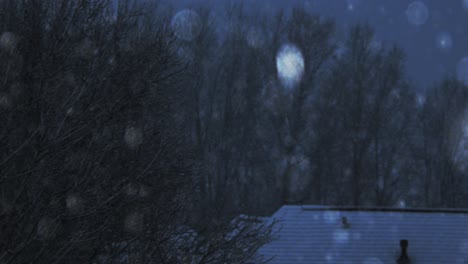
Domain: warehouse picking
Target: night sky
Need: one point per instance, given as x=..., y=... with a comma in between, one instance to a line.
x=434, y=45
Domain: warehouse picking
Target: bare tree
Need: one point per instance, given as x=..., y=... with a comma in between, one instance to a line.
x=96, y=166
x=90, y=157
x=441, y=132
x=362, y=115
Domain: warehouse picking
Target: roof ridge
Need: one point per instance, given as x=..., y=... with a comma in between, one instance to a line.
x=383, y=209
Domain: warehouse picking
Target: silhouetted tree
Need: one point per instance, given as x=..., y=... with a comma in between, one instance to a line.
x=95, y=166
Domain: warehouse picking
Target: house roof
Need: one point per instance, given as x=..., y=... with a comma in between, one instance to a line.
x=315, y=234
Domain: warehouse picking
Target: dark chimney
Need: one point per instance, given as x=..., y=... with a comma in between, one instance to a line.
x=403, y=259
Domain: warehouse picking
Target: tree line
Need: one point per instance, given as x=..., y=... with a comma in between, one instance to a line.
x=354, y=131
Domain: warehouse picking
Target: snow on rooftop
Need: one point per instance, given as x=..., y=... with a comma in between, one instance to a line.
x=316, y=234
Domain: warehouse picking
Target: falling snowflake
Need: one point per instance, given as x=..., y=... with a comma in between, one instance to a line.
x=131, y=189
x=352, y=4
x=444, y=41
x=185, y=54
x=420, y=100
x=74, y=203
x=341, y=236
x=402, y=204
x=133, y=137
x=331, y=217
x=134, y=222
x=143, y=191
x=8, y=41
x=375, y=45
x=46, y=228
x=5, y=101
x=86, y=48
x=69, y=111
x=255, y=37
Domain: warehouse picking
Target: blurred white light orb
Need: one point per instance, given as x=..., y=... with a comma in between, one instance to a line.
x=186, y=24
x=444, y=41
x=133, y=137
x=290, y=65
x=462, y=70
x=417, y=13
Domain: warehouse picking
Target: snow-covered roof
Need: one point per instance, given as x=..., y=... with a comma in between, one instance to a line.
x=316, y=234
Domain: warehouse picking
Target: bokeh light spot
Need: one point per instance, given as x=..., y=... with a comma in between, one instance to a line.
x=186, y=24
x=417, y=13
x=290, y=65
x=444, y=41
x=133, y=137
